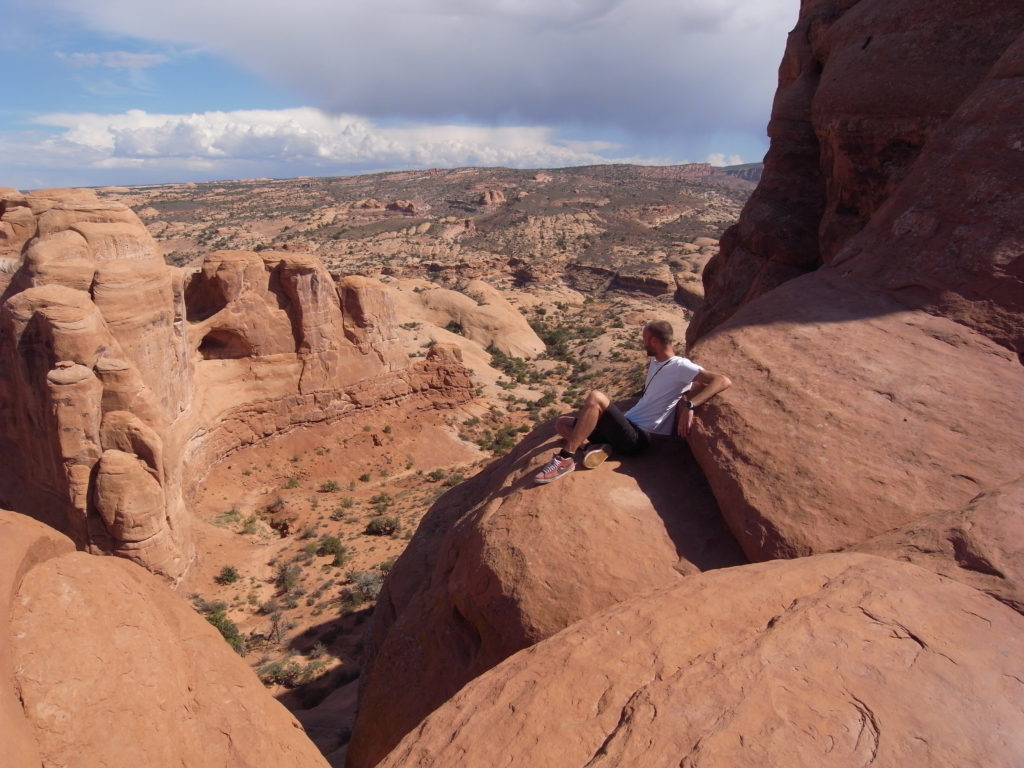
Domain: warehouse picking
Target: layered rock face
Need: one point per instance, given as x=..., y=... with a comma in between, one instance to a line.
x=500, y=563
x=816, y=662
x=103, y=665
x=866, y=87
x=123, y=379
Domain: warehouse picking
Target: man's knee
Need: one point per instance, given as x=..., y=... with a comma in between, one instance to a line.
x=598, y=399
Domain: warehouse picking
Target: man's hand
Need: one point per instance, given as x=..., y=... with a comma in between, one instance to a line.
x=684, y=422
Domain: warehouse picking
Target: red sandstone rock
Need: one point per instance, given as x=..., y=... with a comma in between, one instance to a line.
x=500, y=563
x=863, y=86
x=109, y=667
x=492, y=197
x=978, y=545
x=881, y=388
x=851, y=416
x=479, y=310
x=106, y=351
x=837, y=660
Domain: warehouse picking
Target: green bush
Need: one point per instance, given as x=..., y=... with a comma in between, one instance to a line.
x=381, y=502
x=382, y=526
x=329, y=487
x=365, y=587
x=331, y=545
x=216, y=614
x=288, y=577
x=289, y=673
x=228, y=575
x=292, y=482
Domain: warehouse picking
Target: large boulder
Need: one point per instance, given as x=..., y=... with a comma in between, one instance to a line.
x=479, y=311
x=851, y=416
x=500, y=563
x=829, y=661
x=885, y=386
x=109, y=667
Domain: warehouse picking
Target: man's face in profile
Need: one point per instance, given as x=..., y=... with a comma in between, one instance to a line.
x=648, y=341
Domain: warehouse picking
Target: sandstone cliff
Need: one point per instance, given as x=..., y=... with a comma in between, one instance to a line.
x=103, y=665
x=874, y=101
x=884, y=386
x=123, y=379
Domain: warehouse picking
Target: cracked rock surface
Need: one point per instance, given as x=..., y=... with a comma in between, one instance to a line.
x=833, y=660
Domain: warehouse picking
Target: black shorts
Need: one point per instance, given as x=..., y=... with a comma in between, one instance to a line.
x=620, y=433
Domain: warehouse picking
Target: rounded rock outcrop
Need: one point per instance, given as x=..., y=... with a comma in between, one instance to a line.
x=823, y=662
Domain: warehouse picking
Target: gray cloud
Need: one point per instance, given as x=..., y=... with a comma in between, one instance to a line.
x=647, y=67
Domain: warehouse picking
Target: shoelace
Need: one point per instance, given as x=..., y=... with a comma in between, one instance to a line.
x=553, y=464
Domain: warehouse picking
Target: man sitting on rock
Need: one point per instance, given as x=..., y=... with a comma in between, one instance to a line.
x=674, y=389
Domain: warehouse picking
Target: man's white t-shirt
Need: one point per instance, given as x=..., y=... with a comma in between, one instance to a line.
x=666, y=383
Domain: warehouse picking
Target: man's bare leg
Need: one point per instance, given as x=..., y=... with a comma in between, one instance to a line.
x=586, y=419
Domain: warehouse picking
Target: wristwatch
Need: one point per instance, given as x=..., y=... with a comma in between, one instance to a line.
x=688, y=405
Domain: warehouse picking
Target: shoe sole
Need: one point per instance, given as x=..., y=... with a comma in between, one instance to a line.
x=545, y=480
x=595, y=457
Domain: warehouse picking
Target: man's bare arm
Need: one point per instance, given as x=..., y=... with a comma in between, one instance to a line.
x=705, y=386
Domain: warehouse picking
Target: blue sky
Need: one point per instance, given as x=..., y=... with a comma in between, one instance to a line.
x=135, y=92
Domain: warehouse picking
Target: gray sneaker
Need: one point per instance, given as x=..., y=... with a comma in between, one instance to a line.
x=595, y=453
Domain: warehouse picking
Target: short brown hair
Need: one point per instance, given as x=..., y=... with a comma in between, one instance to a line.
x=661, y=330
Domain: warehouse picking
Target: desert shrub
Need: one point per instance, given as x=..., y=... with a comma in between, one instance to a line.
x=385, y=566
x=365, y=477
x=365, y=586
x=381, y=502
x=289, y=673
x=216, y=614
x=292, y=482
x=454, y=479
x=329, y=487
x=318, y=650
x=288, y=577
x=331, y=545
x=228, y=575
x=382, y=526
x=249, y=525
x=435, y=475
x=268, y=608
x=227, y=519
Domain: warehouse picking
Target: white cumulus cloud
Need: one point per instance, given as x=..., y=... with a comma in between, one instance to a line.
x=146, y=147
x=720, y=159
